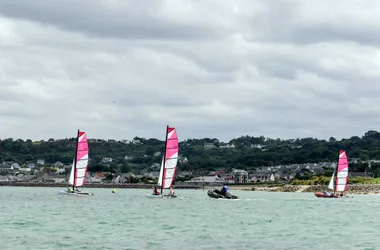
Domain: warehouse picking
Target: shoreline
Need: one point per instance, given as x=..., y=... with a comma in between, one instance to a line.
x=351, y=188
x=88, y=185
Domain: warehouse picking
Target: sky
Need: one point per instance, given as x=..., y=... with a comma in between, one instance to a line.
x=210, y=68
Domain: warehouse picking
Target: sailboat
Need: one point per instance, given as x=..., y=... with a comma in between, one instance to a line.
x=169, y=162
x=338, y=184
x=79, y=167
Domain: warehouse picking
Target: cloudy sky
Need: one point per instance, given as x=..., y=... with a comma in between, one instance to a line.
x=211, y=68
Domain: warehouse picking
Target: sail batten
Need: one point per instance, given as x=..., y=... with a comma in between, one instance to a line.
x=169, y=165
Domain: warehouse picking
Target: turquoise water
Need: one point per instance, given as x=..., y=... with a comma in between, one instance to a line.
x=38, y=218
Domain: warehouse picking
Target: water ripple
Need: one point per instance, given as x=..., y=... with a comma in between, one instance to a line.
x=38, y=218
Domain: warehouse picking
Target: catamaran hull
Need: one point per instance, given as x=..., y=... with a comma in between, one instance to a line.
x=75, y=193
x=217, y=195
x=170, y=196
x=321, y=195
x=161, y=196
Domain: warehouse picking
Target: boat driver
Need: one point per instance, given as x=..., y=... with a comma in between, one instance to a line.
x=224, y=189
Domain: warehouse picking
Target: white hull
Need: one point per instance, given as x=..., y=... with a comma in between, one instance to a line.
x=170, y=196
x=161, y=196
x=62, y=192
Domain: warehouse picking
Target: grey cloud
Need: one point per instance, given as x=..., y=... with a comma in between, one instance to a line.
x=302, y=23
x=128, y=19
x=223, y=77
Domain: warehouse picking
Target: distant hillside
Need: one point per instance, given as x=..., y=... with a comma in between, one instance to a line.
x=246, y=152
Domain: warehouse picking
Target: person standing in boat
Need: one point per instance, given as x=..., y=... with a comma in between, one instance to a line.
x=171, y=192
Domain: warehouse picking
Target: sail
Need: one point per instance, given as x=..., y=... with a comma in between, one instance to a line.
x=117, y=179
x=71, y=178
x=331, y=184
x=161, y=172
x=342, y=175
x=171, y=158
x=82, y=160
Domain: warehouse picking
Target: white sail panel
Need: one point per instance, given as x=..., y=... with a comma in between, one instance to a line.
x=161, y=173
x=81, y=171
x=331, y=184
x=170, y=169
x=71, y=178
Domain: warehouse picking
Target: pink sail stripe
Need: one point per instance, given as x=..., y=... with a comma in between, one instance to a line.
x=82, y=145
x=342, y=175
x=171, y=157
x=172, y=143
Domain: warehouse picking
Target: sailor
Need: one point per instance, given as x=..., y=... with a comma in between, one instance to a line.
x=171, y=192
x=324, y=193
x=155, y=191
x=70, y=189
x=224, y=189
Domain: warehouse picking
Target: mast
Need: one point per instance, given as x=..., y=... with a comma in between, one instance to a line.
x=75, y=162
x=163, y=168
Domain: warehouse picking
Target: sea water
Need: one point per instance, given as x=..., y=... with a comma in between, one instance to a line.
x=38, y=218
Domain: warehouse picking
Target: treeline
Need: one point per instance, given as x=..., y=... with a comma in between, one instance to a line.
x=246, y=154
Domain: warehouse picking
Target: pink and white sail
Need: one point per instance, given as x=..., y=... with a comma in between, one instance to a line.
x=168, y=168
x=79, y=169
x=342, y=175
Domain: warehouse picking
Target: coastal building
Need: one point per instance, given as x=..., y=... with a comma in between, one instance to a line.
x=209, y=145
x=239, y=176
x=40, y=162
x=228, y=146
x=106, y=159
x=206, y=180
x=58, y=164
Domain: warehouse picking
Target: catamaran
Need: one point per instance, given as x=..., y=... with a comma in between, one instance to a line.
x=79, y=167
x=341, y=179
x=169, y=163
